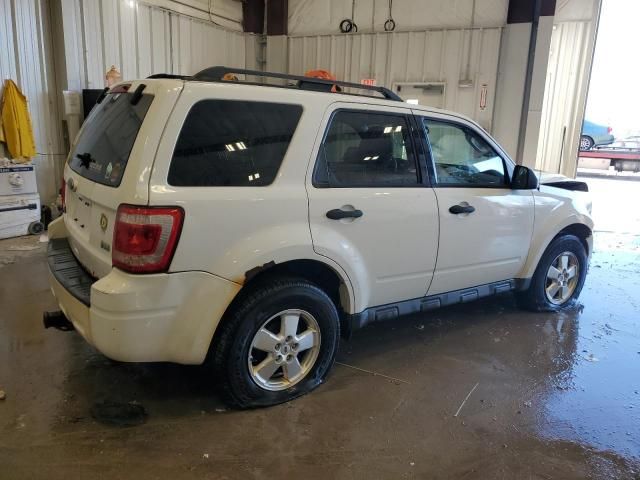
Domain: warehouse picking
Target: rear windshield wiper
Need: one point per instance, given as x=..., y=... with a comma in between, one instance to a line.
x=85, y=159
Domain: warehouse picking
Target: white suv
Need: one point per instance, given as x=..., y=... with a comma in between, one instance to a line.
x=251, y=224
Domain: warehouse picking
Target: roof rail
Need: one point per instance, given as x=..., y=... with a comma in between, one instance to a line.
x=169, y=75
x=215, y=74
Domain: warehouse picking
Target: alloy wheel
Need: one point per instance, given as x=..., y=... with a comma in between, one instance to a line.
x=284, y=350
x=562, y=278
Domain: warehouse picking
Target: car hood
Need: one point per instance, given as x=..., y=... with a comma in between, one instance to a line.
x=560, y=181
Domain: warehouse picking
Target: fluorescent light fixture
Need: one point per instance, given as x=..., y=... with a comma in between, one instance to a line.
x=230, y=147
x=376, y=157
x=388, y=129
x=367, y=158
x=398, y=128
x=256, y=176
x=413, y=101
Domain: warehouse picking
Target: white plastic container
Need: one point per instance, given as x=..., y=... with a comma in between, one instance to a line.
x=17, y=213
x=18, y=180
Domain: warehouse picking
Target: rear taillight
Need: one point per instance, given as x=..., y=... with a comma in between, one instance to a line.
x=145, y=238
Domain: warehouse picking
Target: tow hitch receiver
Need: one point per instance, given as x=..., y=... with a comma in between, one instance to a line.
x=57, y=320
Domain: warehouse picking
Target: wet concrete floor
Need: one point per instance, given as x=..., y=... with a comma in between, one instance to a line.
x=553, y=395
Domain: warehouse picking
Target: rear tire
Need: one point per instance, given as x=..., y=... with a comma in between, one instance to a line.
x=278, y=343
x=559, y=276
x=586, y=143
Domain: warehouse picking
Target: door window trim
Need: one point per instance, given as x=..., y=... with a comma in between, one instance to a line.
x=419, y=151
x=431, y=160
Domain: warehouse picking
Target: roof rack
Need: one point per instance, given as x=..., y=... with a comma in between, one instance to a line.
x=169, y=75
x=215, y=74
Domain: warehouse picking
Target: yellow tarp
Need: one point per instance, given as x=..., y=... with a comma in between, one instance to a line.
x=15, y=124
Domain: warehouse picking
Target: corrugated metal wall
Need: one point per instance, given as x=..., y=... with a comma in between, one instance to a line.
x=141, y=39
x=315, y=17
x=198, y=45
x=565, y=92
x=419, y=56
x=25, y=47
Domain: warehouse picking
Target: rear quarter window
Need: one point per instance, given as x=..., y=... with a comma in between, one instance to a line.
x=232, y=143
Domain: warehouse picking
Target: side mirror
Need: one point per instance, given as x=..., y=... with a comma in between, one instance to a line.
x=524, y=178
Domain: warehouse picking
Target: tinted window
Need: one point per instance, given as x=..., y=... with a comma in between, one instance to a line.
x=232, y=143
x=366, y=149
x=462, y=157
x=103, y=149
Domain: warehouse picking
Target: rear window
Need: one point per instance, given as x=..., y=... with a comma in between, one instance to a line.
x=110, y=131
x=232, y=143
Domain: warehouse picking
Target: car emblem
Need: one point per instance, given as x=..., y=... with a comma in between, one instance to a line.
x=104, y=222
x=72, y=184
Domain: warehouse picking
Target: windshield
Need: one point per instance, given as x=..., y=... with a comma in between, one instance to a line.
x=103, y=149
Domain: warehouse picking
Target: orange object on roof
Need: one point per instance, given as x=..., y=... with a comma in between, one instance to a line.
x=320, y=74
x=325, y=75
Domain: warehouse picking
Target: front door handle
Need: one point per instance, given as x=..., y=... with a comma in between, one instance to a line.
x=457, y=209
x=338, y=213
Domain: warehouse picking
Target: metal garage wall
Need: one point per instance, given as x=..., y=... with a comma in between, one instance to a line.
x=197, y=45
x=318, y=17
x=25, y=45
x=417, y=56
x=90, y=35
x=565, y=91
x=142, y=39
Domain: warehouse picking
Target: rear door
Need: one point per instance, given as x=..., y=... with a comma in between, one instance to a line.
x=485, y=226
x=371, y=209
x=109, y=164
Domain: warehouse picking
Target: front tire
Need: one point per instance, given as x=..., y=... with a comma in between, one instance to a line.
x=559, y=277
x=278, y=343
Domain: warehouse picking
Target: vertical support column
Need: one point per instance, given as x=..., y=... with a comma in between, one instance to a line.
x=521, y=77
x=277, y=56
x=74, y=66
x=277, y=43
x=277, y=17
x=253, y=16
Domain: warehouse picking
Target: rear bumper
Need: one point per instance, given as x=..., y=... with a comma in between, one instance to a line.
x=603, y=139
x=169, y=317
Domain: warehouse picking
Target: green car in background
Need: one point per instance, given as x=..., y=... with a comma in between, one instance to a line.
x=594, y=134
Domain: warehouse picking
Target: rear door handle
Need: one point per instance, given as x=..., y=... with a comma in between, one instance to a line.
x=457, y=209
x=338, y=213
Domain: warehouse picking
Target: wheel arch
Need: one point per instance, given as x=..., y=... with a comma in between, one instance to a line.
x=333, y=282
x=581, y=230
x=330, y=279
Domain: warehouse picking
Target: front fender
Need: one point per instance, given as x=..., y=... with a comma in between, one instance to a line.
x=555, y=210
